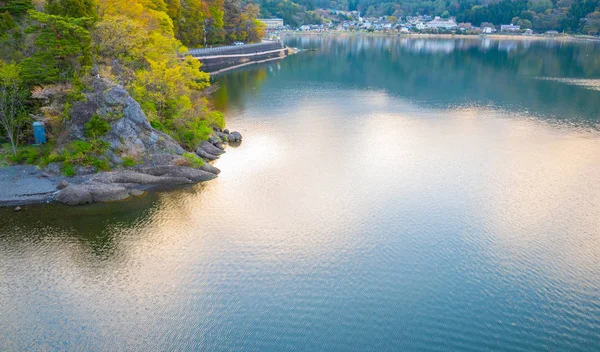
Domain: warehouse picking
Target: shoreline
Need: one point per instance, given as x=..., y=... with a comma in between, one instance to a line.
x=22, y=185
x=445, y=36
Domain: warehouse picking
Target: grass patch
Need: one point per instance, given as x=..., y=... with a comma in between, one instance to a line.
x=194, y=160
x=129, y=162
x=26, y=155
x=68, y=169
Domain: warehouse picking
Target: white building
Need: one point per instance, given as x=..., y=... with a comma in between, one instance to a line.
x=420, y=26
x=509, y=28
x=272, y=23
x=488, y=30
x=439, y=23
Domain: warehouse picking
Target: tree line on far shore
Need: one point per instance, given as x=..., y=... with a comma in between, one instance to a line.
x=573, y=16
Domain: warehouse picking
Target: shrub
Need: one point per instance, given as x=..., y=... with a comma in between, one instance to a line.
x=128, y=162
x=192, y=133
x=86, y=153
x=101, y=164
x=29, y=155
x=194, y=160
x=96, y=127
x=51, y=158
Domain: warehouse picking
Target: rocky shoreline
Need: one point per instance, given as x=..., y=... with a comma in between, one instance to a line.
x=158, y=159
x=25, y=184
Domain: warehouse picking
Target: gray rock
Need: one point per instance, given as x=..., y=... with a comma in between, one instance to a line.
x=234, y=137
x=158, y=170
x=211, y=149
x=223, y=136
x=102, y=193
x=162, y=170
x=130, y=132
x=85, y=170
x=214, y=140
x=195, y=175
x=62, y=185
x=140, y=178
x=93, y=192
x=226, y=131
x=210, y=168
x=136, y=192
x=164, y=159
x=17, y=209
x=206, y=155
x=75, y=196
x=52, y=169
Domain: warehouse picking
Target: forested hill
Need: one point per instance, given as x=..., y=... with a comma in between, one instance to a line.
x=563, y=15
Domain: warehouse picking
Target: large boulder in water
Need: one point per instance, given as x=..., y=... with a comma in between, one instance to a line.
x=234, y=137
x=130, y=133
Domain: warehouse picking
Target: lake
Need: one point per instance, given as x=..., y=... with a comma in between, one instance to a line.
x=390, y=194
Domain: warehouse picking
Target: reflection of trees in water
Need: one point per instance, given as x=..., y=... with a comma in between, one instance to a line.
x=91, y=226
x=452, y=72
x=239, y=84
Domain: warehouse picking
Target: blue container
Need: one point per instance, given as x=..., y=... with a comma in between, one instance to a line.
x=39, y=133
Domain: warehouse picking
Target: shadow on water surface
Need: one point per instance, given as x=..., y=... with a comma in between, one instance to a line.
x=92, y=226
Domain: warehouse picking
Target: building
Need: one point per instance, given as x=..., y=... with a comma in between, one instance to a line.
x=272, y=23
x=510, y=28
x=488, y=30
x=552, y=33
x=439, y=23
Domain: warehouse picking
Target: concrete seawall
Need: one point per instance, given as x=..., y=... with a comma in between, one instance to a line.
x=215, y=60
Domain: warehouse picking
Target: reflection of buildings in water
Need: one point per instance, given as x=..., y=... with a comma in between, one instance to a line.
x=430, y=46
x=486, y=43
x=507, y=46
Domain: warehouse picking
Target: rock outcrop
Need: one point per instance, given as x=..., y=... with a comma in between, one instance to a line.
x=160, y=157
x=120, y=185
x=130, y=133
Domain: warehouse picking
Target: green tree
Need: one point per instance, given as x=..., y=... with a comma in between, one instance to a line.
x=13, y=116
x=71, y=8
x=63, y=48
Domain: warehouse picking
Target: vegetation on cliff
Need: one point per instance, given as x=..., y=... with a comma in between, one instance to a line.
x=51, y=51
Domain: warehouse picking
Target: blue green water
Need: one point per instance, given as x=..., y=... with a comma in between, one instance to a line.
x=390, y=194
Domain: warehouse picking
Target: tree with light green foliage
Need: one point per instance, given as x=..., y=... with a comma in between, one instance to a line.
x=13, y=115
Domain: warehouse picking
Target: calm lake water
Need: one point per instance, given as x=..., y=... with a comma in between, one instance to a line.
x=390, y=194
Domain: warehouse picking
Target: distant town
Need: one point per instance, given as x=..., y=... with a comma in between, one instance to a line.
x=352, y=21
